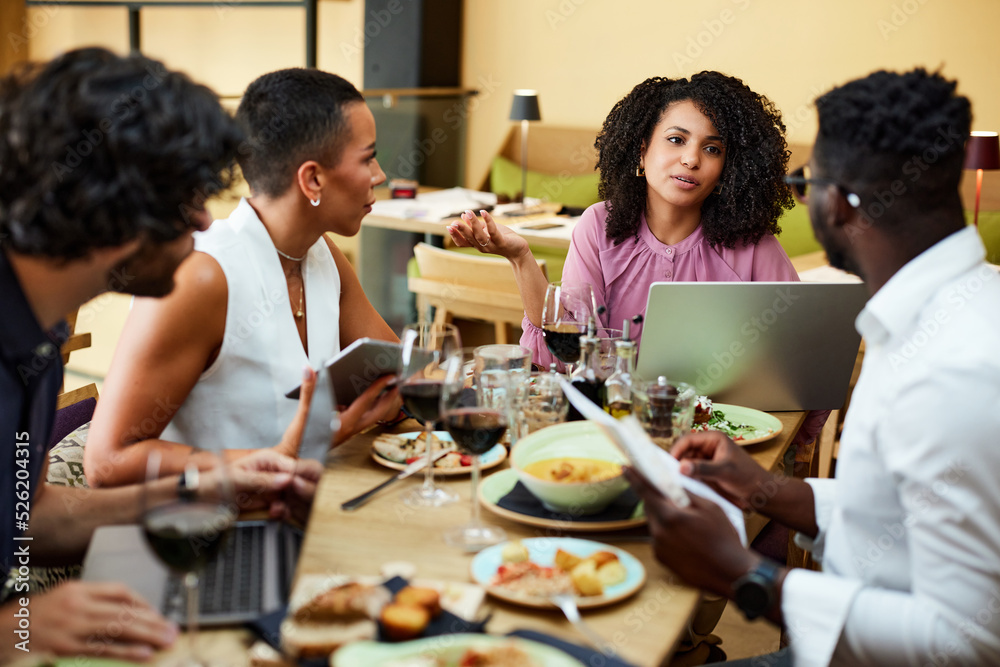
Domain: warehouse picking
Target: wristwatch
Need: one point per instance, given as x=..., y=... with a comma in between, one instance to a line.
x=757, y=591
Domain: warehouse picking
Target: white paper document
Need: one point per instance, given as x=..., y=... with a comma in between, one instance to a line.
x=656, y=465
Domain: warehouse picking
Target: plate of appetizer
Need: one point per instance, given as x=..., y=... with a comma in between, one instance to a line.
x=529, y=572
x=397, y=450
x=745, y=426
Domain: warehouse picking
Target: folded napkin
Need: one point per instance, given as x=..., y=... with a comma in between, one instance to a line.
x=587, y=656
x=520, y=500
x=268, y=627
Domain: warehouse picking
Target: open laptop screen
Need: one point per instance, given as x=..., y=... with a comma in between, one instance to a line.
x=766, y=345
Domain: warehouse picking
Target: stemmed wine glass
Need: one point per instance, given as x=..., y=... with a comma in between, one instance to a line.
x=186, y=524
x=421, y=375
x=473, y=415
x=567, y=309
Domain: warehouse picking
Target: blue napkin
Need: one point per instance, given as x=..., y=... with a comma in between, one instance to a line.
x=585, y=655
x=268, y=627
x=520, y=500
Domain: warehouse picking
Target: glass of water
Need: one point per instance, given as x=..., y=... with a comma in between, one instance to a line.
x=500, y=369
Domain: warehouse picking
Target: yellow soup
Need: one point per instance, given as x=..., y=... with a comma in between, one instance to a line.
x=573, y=470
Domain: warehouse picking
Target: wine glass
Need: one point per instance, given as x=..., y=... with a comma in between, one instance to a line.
x=186, y=523
x=476, y=421
x=513, y=362
x=568, y=307
x=421, y=376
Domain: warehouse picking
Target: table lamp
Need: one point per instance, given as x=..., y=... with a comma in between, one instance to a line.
x=524, y=109
x=982, y=151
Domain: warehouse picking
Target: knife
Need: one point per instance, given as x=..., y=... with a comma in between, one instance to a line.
x=416, y=466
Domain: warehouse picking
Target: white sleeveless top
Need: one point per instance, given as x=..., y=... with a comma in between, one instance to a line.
x=239, y=401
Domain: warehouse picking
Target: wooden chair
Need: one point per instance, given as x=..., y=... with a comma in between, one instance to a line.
x=76, y=341
x=469, y=287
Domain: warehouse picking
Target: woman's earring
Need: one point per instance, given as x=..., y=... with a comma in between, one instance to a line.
x=314, y=202
x=718, y=188
x=640, y=171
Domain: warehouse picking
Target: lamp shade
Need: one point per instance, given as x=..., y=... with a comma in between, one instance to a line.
x=525, y=106
x=982, y=151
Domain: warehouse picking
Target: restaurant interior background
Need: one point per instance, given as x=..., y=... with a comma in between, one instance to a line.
x=580, y=55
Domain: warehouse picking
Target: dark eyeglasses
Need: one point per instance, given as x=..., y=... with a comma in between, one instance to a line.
x=800, y=180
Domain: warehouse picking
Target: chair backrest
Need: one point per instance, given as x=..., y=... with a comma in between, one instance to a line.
x=468, y=286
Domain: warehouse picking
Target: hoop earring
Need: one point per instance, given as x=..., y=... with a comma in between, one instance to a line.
x=314, y=202
x=640, y=171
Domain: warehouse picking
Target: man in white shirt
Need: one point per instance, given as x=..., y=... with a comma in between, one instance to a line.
x=909, y=531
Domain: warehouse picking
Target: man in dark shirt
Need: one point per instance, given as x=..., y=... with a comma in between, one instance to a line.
x=105, y=164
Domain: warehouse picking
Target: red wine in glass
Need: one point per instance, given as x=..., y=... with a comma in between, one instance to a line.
x=422, y=397
x=563, y=340
x=475, y=430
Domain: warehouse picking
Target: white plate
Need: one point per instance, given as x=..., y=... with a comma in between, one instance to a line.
x=490, y=459
x=446, y=649
x=542, y=550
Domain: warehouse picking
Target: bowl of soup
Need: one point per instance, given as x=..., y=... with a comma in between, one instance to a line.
x=572, y=468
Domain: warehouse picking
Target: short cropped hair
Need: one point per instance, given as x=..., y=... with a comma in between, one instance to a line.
x=292, y=116
x=97, y=150
x=896, y=140
x=754, y=193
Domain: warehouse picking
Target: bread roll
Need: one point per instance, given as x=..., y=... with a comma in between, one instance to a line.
x=404, y=621
x=585, y=579
x=428, y=598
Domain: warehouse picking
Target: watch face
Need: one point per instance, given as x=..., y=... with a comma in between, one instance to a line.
x=753, y=597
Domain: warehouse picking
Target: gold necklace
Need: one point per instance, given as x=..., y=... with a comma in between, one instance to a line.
x=302, y=295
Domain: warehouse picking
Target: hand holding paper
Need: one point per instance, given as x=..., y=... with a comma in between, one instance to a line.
x=657, y=466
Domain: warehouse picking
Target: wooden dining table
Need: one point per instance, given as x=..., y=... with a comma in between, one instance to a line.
x=645, y=628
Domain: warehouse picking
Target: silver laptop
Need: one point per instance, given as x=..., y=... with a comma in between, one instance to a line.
x=251, y=576
x=765, y=345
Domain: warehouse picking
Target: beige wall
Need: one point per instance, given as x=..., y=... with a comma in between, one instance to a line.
x=583, y=55
x=224, y=45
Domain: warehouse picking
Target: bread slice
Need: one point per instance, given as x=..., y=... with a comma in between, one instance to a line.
x=317, y=640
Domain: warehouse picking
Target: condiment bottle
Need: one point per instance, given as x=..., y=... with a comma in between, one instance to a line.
x=586, y=377
x=618, y=386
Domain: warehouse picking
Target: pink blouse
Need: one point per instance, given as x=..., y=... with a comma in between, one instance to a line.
x=621, y=276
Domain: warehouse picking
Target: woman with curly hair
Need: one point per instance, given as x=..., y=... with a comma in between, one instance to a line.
x=692, y=178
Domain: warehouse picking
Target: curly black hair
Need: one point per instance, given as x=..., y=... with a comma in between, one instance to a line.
x=98, y=149
x=754, y=193
x=896, y=140
x=291, y=116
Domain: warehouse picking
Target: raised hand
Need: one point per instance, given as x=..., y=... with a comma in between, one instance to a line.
x=487, y=236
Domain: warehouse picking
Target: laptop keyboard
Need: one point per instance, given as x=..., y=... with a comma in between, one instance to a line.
x=232, y=583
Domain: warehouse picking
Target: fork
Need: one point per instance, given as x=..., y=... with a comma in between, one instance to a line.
x=567, y=603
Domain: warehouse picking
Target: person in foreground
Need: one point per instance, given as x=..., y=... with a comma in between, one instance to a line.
x=101, y=162
x=266, y=293
x=692, y=174
x=909, y=531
